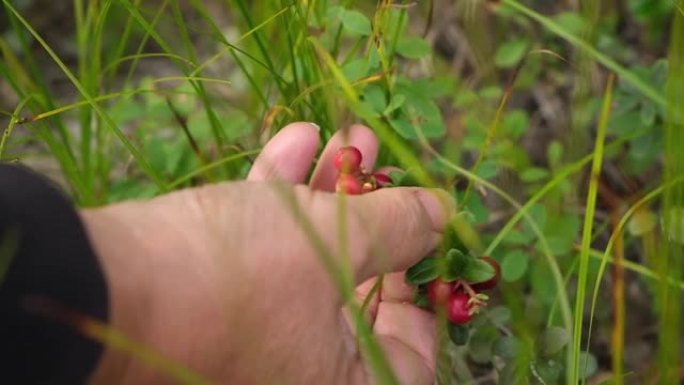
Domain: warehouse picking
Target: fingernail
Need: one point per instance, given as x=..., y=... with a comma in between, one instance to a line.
x=318, y=128
x=439, y=205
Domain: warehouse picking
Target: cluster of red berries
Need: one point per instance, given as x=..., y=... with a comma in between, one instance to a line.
x=353, y=179
x=461, y=299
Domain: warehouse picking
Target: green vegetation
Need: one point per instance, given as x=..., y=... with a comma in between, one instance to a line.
x=558, y=130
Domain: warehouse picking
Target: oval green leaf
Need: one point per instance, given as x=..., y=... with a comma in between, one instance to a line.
x=422, y=272
x=477, y=270
x=514, y=265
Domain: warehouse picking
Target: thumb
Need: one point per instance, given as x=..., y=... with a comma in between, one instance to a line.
x=402, y=225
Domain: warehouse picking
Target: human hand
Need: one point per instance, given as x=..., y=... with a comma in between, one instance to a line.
x=224, y=279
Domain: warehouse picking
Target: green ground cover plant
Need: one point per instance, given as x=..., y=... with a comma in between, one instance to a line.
x=557, y=127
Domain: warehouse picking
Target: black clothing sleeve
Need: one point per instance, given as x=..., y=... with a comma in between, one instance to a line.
x=46, y=264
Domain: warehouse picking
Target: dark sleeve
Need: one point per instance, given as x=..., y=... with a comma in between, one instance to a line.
x=49, y=279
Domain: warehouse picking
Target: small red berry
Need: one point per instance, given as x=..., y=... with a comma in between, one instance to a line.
x=381, y=180
x=439, y=291
x=347, y=160
x=348, y=184
x=492, y=282
x=458, y=309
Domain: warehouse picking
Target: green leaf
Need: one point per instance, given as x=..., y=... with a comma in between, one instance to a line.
x=422, y=272
x=334, y=12
x=554, y=153
x=549, y=370
x=515, y=237
x=648, y=114
x=155, y=150
x=553, y=340
x=538, y=214
x=458, y=334
x=374, y=96
x=534, y=174
x=413, y=47
x=356, y=69
x=514, y=265
x=396, y=177
x=515, y=123
x=403, y=127
x=477, y=271
x=643, y=221
x=408, y=178
x=589, y=363
x=356, y=22
x=488, y=169
x=420, y=298
x=454, y=263
x=561, y=232
x=425, y=116
x=499, y=315
x=396, y=102
x=507, y=347
x=543, y=286
x=571, y=22
x=480, y=346
x=510, y=53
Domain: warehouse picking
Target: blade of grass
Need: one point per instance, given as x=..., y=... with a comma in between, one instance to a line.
x=210, y=166
x=10, y=126
x=575, y=369
x=618, y=332
x=670, y=258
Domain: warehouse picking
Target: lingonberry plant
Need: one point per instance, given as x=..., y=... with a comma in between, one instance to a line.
x=453, y=281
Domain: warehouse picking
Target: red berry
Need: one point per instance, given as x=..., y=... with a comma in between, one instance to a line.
x=381, y=180
x=492, y=282
x=439, y=291
x=348, y=184
x=347, y=160
x=458, y=309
